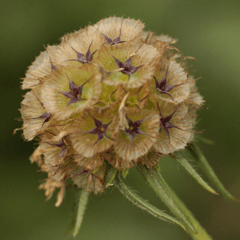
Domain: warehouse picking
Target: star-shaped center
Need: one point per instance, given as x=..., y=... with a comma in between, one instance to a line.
x=165, y=123
x=75, y=92
x=162, y=86
x=115, y=41
x=100, y=129
x=83, y=58
x=127, y=68
x=133, y=129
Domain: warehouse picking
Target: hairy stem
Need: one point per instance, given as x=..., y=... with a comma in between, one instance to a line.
x=143, y=204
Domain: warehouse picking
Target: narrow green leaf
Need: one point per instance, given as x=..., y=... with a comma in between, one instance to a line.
x=143, y=204
x=82, y=203
x=207, y=169
x=161, y=188
x=193, y=173
x=156, y=181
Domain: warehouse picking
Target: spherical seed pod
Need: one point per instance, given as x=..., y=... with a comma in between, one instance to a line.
x=78, y=48
x=170, y=81
x=176, y=127
x=93, y=133
x=35, y=117
x=117, y=30
x=132, y=63
x=107, y=98
x=141, y=133
x=68, y=90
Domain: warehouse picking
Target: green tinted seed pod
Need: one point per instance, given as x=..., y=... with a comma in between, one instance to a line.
x=110, y=94
x=69, y=90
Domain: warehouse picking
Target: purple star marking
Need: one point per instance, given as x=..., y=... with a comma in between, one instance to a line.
x=128, y=69
x=75, y=93
x=162, y=86
x=83, y=58
x=134, y=129
x=165, y=122
x=99, y=130
x=115, y=41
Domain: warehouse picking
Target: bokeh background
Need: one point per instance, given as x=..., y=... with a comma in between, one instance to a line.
x=207, y=30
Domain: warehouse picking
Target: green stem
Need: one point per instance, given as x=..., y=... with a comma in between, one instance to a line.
x=172, y=201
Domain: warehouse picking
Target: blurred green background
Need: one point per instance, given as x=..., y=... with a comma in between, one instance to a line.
x=208, y=31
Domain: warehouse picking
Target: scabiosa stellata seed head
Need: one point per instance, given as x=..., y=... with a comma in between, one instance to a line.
x=107, y=98
x=75, y=103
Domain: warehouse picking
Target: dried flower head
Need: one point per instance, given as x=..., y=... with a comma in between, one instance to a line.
x=107, y=98
x=108, y=93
